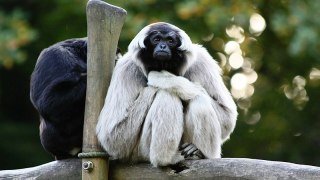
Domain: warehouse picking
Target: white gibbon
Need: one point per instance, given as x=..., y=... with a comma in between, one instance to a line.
x=166, y=101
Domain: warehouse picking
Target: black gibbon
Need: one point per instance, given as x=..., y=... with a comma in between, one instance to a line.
x=57, y=90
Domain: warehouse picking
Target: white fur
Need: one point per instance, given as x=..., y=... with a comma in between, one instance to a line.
x=178, y=85
x=143, y=117
x=166, y=116
x=202, y=127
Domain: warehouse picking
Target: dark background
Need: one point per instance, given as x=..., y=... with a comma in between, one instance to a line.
x=269, y=52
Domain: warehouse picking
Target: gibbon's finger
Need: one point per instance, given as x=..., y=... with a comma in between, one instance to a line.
x=183, y=146
x=190, y=147
x=199, y=154
x=190, y=152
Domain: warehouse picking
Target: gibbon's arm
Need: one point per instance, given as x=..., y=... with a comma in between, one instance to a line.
x=125, y=108
x=202, y=80
x=56, y=82
x=206, y=72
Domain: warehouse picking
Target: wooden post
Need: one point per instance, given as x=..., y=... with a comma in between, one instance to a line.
x=104, y=23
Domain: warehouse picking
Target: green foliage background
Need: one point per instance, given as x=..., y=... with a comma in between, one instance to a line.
x=278, y=120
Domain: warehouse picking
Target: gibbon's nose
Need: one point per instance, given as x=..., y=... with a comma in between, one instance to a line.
x=163, y=46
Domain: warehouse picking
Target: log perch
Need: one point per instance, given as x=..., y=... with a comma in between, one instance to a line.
x=224, y=168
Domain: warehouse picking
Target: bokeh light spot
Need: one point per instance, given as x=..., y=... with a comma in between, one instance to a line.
x=235, y=60
x=257, y=24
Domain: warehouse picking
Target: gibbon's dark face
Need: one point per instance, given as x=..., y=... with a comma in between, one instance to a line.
x=161, y=52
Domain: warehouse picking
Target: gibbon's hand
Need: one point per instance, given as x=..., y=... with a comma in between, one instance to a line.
x=162, y=80
x=179, y=85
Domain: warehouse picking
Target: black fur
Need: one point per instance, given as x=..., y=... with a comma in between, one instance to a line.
x=172, y=65
x=57, y=91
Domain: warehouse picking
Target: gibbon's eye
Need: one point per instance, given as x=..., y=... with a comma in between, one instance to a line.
x=171, y=41
x=156, y=40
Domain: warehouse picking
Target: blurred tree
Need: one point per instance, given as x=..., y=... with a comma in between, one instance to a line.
x=268, y=51
x=52, y=21
x=15, y=33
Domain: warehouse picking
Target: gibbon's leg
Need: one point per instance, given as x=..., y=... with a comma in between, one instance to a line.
x=142, y=151
x=202, y=127
x=166, y=116
x=125, y=135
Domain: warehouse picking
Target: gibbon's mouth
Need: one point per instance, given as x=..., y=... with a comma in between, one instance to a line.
x=162, y=55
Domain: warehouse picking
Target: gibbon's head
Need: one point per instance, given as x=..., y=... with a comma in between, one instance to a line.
x=162, y=46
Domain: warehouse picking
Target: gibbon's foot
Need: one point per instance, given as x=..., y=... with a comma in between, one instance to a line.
x=190, y=151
